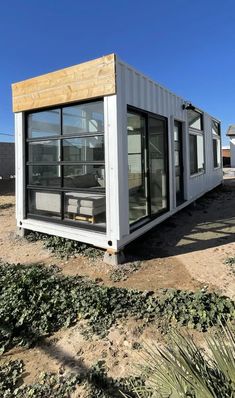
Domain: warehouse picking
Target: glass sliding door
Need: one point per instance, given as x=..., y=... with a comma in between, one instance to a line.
x=178, y=161
x=147, y=165
x=136, y=130
x=158, y=160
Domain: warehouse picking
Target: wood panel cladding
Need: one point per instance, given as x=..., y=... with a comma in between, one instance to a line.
x=88, y=80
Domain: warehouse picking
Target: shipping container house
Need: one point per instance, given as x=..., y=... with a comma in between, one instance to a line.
x=104, y=153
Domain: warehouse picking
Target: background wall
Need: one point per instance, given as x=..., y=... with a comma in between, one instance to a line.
x=7, y=159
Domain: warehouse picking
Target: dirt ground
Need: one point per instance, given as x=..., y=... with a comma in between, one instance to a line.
x=185, y=252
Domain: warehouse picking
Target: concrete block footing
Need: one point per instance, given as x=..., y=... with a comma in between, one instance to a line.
x=114, y=258
x=21, y=232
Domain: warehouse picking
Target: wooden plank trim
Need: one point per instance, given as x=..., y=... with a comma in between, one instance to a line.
x=88, y=80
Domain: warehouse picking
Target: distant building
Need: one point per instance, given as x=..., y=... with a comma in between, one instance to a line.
x=231, y=135
x=226, y=156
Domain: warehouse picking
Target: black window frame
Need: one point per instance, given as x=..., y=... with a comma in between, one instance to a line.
x=196, y=132
x=201, y=120
x=216, y=137
x=152, y=216
x=61, y=189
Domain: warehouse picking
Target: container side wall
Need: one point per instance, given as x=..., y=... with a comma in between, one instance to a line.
x=136, y=90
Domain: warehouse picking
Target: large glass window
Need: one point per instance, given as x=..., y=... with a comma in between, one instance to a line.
x=65, y=164
x=196, y=144
x=196, y=141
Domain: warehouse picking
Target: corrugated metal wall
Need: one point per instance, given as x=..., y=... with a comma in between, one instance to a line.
x=137, y=90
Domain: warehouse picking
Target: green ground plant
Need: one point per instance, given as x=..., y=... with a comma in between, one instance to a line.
x=65, y=248
x=35, y=301
x=49, y=385
x=53, y=385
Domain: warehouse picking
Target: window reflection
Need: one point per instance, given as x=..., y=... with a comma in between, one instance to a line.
x=195, y=119
x=44, y=151
x=48, y=176
x=84, y=149
x=83, y=118
x=44, y=124
x=136, y=167
x=84, y=176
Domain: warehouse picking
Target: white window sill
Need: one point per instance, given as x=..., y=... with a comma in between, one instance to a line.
x=197, y=174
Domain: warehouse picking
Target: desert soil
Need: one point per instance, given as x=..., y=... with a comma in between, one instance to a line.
x=187, y=252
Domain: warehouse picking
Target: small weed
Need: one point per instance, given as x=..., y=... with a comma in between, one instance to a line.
x=124, y=271
x=230, y=261
x=136, y=345
x=5, y=206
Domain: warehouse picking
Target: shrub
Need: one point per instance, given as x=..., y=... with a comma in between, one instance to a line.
x=185, y=370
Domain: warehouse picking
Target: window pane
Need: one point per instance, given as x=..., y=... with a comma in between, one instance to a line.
x=177, y=158
x=196, y=153
x=216, y=152
x=193, y=153
x=84, y=176
x=83, y=118
x=44, y=124
x=84, y=149
x=48, y=176
x=200, y=153
x=87, y=208
x=195, y=119
x=136, y=167
x=44, y=151
x=157, y=165
x=44, y=203
x=215, y=128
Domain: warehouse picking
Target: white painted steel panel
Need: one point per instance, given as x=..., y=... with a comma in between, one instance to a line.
x=82, y=235
x=20, y=166
x=139, y=91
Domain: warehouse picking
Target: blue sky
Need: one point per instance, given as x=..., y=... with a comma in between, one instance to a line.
x=188, y=46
